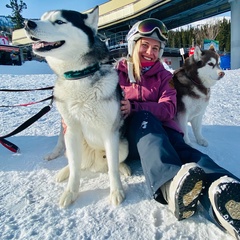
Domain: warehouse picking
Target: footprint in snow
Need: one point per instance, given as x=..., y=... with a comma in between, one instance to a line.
x=156, y=217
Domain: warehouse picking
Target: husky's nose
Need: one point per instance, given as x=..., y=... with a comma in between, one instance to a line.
x=30, y=24
x=221, y=74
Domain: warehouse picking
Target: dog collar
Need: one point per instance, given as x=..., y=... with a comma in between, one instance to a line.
x=74, y=75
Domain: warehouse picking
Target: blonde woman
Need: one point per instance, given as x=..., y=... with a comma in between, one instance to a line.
x=176, y=174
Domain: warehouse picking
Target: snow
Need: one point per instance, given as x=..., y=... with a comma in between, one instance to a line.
x=29, y=193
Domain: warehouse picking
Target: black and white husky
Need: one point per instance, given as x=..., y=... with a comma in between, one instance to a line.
x=87, y=96
x=193, y=82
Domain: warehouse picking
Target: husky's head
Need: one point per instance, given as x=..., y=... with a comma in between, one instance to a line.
x=63, y=34
x=205, y=66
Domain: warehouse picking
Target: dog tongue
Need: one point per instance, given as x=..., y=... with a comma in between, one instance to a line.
x=42, y=44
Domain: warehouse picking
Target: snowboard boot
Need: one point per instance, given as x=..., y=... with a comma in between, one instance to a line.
x=183, y=191
x=224, y=195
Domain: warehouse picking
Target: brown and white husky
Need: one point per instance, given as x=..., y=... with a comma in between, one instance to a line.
x=193, y=82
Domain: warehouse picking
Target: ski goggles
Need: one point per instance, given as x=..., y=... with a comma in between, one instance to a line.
x=148, y=26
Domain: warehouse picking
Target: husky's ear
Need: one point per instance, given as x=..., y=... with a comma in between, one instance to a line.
x=212, y=48
x=92, y=19
x=197, y=54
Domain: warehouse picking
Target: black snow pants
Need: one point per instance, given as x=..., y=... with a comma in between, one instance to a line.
x=162, y=152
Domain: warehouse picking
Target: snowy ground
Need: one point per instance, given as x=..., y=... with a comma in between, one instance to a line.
x=29, y=194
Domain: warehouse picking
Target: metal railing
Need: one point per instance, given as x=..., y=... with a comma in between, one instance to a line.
x=117, y=41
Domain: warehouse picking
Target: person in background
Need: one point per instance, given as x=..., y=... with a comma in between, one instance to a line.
x=14, y=58
x=176, y=174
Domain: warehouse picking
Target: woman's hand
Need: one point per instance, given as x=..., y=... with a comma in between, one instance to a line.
x=125, y=108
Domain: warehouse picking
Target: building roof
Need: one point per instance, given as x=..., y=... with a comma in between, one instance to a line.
x=116, y=16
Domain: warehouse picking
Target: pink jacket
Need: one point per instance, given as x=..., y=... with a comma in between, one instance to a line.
x=153, y=93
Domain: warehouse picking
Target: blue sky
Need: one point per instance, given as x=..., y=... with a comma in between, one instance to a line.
x=35, y=8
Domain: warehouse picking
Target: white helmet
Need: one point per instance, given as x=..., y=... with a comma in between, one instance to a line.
x=148, y=28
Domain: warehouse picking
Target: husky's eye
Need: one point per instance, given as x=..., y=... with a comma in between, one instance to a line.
x=59, y=22
x=211, y=64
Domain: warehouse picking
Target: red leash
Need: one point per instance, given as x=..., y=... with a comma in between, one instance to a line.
x=10, y=146
x=27, y=104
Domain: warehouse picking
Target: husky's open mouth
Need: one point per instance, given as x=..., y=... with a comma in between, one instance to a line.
x=42, y=46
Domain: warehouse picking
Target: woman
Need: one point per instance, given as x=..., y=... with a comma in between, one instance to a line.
x=176, y=174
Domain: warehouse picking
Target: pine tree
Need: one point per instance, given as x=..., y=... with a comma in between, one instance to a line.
x=224, y=36
x=220, y=31
x=16, y=16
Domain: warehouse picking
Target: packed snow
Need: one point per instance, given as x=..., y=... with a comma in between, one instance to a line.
x=29, y=194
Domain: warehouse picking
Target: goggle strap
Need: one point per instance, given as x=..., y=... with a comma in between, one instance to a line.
x=130, y=72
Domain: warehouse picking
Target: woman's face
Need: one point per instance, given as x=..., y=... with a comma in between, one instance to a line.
x=149, y=50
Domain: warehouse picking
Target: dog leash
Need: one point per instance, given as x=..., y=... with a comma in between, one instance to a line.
x=9, y=145
x=26, y=90
x=27, y=104
x=12, y=147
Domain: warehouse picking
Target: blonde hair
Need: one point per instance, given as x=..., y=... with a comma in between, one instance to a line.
x=136, y=61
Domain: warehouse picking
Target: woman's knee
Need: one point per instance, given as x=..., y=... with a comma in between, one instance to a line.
x=145, y=119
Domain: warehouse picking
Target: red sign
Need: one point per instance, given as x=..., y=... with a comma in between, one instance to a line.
x=191, y=51
x=4, y=40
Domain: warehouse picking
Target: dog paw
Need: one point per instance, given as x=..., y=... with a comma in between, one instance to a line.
x=116, y=197
x=63, y=174
x=202, y=142
x=124, y=169
x=51, y=156
x=67, y=198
